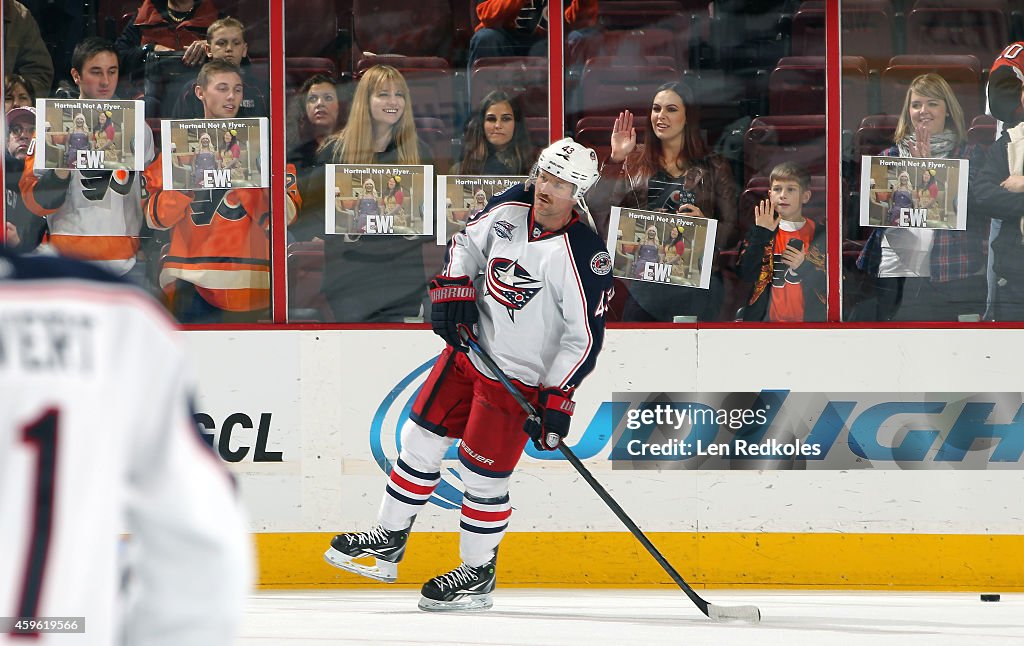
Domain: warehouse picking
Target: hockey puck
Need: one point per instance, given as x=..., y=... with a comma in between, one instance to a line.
x=990, y=597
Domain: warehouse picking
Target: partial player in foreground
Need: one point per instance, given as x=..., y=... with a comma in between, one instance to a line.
x=97, y=440
x=531, y=280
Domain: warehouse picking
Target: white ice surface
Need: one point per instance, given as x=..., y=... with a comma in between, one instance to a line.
x=550, y=617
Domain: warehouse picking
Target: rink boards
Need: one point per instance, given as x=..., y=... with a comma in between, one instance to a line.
x=307, y=418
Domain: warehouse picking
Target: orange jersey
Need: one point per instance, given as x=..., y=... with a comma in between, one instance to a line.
x=220, y=241
x=787, y=297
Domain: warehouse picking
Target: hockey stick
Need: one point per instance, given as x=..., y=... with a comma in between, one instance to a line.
x=716, y=612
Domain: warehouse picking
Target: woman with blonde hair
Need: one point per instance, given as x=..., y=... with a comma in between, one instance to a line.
x=925, y=274
x=380, y=127
x=376, y=278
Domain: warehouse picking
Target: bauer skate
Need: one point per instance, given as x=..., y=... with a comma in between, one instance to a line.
x=464, y=588
x=386, y=546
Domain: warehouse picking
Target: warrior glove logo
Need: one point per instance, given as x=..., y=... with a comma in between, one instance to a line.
x=511, y=285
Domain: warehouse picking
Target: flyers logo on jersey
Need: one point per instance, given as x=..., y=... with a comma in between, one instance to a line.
x=511, y=285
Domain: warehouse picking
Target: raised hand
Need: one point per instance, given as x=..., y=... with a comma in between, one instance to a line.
x=623, y=137
x=923, y=146
x=765, y=216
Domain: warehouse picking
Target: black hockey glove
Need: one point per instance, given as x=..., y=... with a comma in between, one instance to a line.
x=555, y=414
x=453, y=305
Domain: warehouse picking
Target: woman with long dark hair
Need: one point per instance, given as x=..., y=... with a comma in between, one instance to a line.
x=672, y=171
x=496, y=141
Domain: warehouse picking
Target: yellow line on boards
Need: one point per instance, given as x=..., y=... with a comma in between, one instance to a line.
x=940, y=562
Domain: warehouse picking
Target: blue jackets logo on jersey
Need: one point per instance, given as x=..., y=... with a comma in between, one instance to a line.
x=504, y=229
x=601, y=263
x=511, y=285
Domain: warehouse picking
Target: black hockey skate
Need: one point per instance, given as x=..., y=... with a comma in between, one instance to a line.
x=464, y=588
x=386, y=546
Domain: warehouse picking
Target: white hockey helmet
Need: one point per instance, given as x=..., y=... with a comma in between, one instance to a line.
x=569, y=161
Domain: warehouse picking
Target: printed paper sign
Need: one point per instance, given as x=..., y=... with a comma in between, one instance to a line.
x=460, y=197
x=913, y=193
x=657, y=247
x=215, y=153
x=378, y=199
x=90, y=134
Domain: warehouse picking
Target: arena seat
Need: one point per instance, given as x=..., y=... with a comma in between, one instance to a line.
x=410, y=27
x=305, y=275
x=962, y=72
x=866, y=30
x=522, y=76
x=974, y=27
x=774, y=139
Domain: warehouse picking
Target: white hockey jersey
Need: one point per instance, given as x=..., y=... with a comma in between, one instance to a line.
x=97, y=440
x=542, y=295
x=89, y=219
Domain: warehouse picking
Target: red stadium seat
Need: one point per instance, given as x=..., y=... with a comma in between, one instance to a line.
x=634, y=46
x=982, y=131
x=866, y=28
x=311, y=31
x=525, y=77
x=305, y=276
x=976, y=27
x=639, y=14
x=436, y=137
x=538, y=130
x=411, y=27
x=962, y=72
x=772, y=140
x=609, y=90
x=797, y=86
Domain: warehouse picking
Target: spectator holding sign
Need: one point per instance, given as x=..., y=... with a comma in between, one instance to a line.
x=673, y=171
x=218, y=267
x=368, y=278
x=925, y=274
x=93, y=215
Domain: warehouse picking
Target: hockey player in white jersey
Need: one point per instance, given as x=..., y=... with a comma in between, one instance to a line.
x=97, y=440
x=532, y=281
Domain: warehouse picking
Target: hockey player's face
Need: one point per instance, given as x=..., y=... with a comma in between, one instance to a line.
x=499, y=124
x=552, y=196
x=228, y=44
x=98, y=77
x=668, y=115
x=222, y=95
x=927, y=112
x=387, y=105
x=322, y=106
